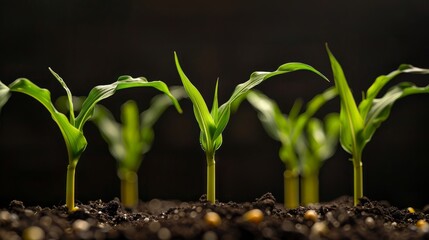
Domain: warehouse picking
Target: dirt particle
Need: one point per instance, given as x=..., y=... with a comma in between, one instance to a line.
x=370, y=222
x=154, y=226
x=164, y=234
x=210, y=235
x=319, y=229
x=81, y=225
x=33, y=233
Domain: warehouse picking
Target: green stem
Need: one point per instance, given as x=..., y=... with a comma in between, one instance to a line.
x=358, y=179
x=310, y=188
x=70, y=186
x=291, y=189
x=211, y=178
x=129, y=188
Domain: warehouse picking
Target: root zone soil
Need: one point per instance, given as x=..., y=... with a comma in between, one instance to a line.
x=165, y=220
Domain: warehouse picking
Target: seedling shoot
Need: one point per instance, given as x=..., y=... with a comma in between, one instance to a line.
x=359, y=122
x=212, y=123
x=72, y=127
x=129, y=141
x=305, y=142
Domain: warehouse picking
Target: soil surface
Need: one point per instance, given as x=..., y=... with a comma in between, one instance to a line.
x=262, y=219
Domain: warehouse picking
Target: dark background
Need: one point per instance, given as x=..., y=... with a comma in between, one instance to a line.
x=93, y=42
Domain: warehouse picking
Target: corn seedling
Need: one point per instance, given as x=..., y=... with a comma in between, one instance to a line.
x=129, y=141
x=72, y=127
x=212, y=123
x=303, y=141
x=359, y=122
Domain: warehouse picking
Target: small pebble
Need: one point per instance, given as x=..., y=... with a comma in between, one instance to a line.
x=411, y=210
x=33, y=233
x=210, y=235
x=212, y=219
x=81, y=225
x=311, y=215
x=164, y=234
x=154, y=226
x=193, y=214
x=4, y=216
x=46, y=221
x=254, y=216
x=370, y=222
x=146, y=220
x=319, y=228
x=422, y=225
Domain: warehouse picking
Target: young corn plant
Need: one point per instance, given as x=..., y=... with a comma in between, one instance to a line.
x=72, y=127
x=359, y=122
x=290, y=131
x=212, y=123
x=129, y=141
x=318, y=145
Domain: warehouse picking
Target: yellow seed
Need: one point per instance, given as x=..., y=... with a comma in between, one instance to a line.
x=33, y=233
x=254, y=216
x=311, y=215
x=421, y=223
x=411, y=210
x=212, y=219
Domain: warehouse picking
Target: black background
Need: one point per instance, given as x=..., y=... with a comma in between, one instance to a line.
x=93, y=42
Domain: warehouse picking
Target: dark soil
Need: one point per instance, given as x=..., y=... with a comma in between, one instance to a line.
x=189, y=220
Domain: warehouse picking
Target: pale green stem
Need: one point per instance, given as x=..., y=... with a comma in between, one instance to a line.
x=129, y=188
x=70, y=186
x=358, y=178
x=291, y=189
x=310, y=188
x=211, y=178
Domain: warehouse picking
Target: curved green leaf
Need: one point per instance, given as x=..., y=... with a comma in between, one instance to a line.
x=255, y=79
x=351, y=120
x=69, y=95
x=381, y=107
x=75, y=141
x=110, y=130
x=201, y=112
x=4, y=94
x=381, y=81
x=150, y=116
x=101, y=92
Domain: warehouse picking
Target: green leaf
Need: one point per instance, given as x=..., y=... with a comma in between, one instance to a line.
x=69, y=95
x=4, y=94
x=131, y=136
x=319, y=143
x=201, y=112
x=381, y=81
x=75, y=141
x=101, y=92
x=268, y=112
x=149, y=117
x=352, y=122
x=257, y=78
x=381, y=107
x=110, y=130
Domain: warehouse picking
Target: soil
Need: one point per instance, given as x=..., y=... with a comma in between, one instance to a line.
x=165, y=220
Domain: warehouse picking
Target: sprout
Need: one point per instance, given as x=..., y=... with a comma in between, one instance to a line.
x=212, y=123
x=72, y=128
x=129, y=141
x=306, y=142
x=359, y=122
